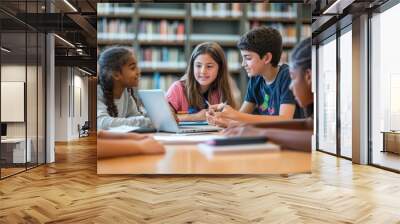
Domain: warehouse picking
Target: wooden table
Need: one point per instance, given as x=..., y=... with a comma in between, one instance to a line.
x=187, y=159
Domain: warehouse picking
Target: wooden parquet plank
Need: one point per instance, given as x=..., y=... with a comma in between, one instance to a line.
x=70, y=191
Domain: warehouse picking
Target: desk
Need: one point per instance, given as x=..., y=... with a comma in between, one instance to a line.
x=187, y=159
x=391, y=141
x=13, y=150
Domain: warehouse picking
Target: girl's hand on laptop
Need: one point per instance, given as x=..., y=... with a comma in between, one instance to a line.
x=151, y=146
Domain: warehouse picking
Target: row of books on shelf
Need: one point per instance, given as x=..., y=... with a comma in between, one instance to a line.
x=163, y=65
x=167, y=37
x=233, y=59
x=305, y=31
x=288, y=32
x=284, y=57
x=164, y=54
x=149, y=12
x=163, y=30
x=115, y=38
x=280, y=10
x=115, y=8
x=157, y=81
x=216, y=9
x=163, y=26
x=105, y=25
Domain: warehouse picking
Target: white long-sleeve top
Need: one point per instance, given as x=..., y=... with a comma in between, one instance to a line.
x=128, y=113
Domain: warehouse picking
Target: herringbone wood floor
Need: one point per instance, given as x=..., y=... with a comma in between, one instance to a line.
x=70, y=191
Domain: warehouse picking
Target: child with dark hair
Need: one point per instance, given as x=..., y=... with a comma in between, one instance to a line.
x=117, y=100
x=206, y=81
x=294, y=134
x=268, y=96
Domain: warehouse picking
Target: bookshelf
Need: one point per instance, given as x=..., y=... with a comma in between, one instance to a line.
x=164, y=34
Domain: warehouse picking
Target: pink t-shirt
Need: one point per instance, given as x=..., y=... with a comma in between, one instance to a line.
x=177, y=98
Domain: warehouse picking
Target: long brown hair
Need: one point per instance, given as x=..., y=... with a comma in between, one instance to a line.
x=110, y=61
x=220, y=84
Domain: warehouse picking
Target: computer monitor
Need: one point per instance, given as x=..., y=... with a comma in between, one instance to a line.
x=3, y=129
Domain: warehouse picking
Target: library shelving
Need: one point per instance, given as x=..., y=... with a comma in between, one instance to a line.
x=164, y=34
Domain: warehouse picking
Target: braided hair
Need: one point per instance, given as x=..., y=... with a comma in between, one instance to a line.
x=110, y=61
x=301, y=59
x=301, y=56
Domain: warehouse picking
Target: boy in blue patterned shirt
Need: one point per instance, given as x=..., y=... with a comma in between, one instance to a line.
x=268, y=97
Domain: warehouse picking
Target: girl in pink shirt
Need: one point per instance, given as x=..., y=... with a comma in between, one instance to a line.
x=205, y=83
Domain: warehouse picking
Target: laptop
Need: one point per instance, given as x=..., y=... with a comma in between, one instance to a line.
x=161, y=115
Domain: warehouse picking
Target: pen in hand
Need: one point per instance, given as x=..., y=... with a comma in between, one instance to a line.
x=208, y=103
x=219, y=108
x=223, y=106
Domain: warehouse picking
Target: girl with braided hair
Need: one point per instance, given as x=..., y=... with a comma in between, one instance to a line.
x=117, y=100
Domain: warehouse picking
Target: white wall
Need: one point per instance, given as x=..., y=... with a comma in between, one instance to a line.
x=13, y=73
x=34, y=125
x=70, y=84
x=61, y=104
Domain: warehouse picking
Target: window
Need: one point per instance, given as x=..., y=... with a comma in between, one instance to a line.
x=327, y=96
x=385, y=89
x=346, y=94
x=22, y=69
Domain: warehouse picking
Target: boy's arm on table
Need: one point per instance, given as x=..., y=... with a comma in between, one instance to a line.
x=286, y=112
x=290, y=139
x=247, y=107
x=215, y=117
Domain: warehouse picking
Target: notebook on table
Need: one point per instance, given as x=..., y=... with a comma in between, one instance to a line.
x=237, y=145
